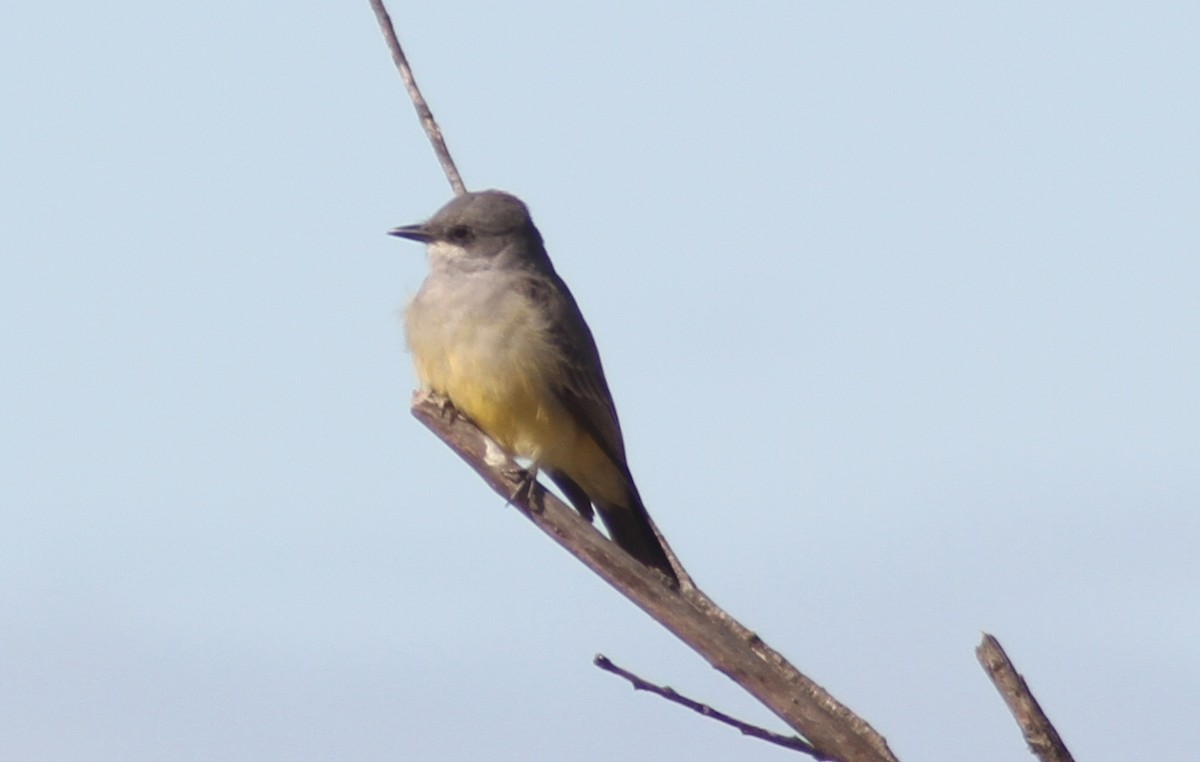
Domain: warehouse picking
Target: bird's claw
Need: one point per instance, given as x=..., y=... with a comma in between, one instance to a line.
x=524, y=496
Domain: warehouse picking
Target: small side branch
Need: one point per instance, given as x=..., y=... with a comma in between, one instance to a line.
x=414, y=93
x=1041, y=736
x=794, y=743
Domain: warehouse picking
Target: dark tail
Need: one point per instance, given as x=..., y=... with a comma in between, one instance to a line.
x=631, y=529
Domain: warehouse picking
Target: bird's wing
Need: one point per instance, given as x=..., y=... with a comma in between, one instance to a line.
x=581, y=385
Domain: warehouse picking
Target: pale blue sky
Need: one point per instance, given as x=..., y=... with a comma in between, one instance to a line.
x=898, y=303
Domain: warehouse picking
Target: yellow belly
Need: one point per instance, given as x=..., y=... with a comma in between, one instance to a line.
x=502, y=373
x=512, y=403
x=498, y=367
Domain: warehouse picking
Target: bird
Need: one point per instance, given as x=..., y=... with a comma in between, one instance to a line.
x=496, y=331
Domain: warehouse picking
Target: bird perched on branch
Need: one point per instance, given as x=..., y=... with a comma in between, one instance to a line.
x=495, y=330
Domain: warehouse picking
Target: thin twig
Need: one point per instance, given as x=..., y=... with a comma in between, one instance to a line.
x=1039, y=733
x=795, y=743
x=414, y=93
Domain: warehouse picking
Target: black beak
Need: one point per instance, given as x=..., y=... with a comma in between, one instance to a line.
x=413, y=233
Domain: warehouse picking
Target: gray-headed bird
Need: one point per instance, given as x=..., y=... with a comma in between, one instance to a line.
x=496, y=331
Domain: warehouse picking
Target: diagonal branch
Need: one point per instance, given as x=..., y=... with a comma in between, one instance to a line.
x=834, y=731
x=1039, y=733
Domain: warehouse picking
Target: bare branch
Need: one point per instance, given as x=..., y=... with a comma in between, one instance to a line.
x=833, y=730
x=414, y=93
x=1041, y=736
x=670, y=694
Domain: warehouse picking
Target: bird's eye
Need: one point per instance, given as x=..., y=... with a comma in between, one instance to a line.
x=460, y=234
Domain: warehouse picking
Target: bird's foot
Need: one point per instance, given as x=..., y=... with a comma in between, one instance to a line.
x=524, y=496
